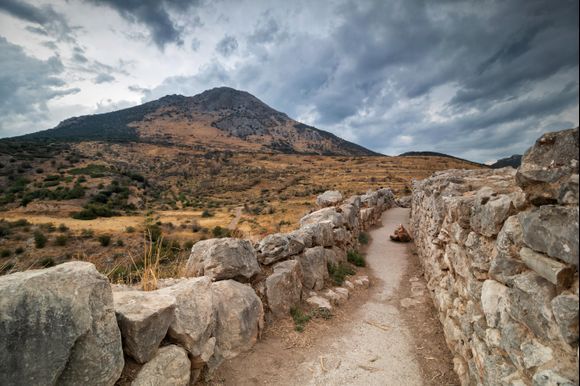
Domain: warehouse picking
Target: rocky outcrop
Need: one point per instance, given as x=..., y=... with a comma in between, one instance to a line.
x=279, y=246
x=58, y=326
x=143, y=318
x=500, y=252
x=221, y=259
x=170, y=366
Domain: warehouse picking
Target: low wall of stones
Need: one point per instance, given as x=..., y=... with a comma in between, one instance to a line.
x=67, y=325
x=500, y=252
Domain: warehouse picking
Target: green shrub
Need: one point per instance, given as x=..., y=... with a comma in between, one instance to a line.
x=61, y=240
x=19, y=250
x=104, y=240
x=130, y=229
x=47, y=262
x=62, y=228
x=206, y=213
x=356, y=258
x=300, y=318
x=87, y=233
x=120, y=243
x=363, y=238
x=39, y=239
x=220, y=232
x=5, y=253
x=339, y=272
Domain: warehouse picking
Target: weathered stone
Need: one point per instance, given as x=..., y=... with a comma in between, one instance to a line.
x=314, y=270
x=305, y=236
x=340, y=236
x=277, y=247
x=195, y=317
x=320, y=233
x=551, y=378
x=568, y=194
x=503, y=268
x=370, y=198
x=170, y=366
x=326, y=214
x=535, y=353
x=58, y=326
x=319, y=302
x=493, y=301
x=479, y=250
x=283, y=287
x=334, y=256
x=225, y=258
x=489, y=213
x=552, y=230
x=546, y=165
x=532, y=292
x=343, y=293
x=240, y=318
x=333, y=297
x=404, y=202
x=354, y=200
x=565, y=309
x=143, y=318
x=329, y=198
x=350, y=214
x=550, y=269
x=362, y=281
x=510, y=238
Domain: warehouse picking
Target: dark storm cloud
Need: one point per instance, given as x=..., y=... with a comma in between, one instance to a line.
x=27, y=84
x=48, y=20
x=155, y=15
x=227, y=46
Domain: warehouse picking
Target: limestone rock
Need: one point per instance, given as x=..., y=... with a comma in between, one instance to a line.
x=343, y=293
x=547, y=165
x=550, y=269
x=551, y=378
x=319, y=302
x=58, y=326
x=283, y=287
x=490, y=212
x=314, y=270
x=143, y=318
x=221, y=259
x=565, y=309
x=329, y=198
x=240, y=318
x=170, y=366
x=362, y=281
x=195, y=317
x=316, y=234
x=493, y=301
x=326, y=214
x=404, y=202
x=535, y=354
x=350, y=214
x=569, y=191
x=277, y=247
x=552, y=230
x=332, y=297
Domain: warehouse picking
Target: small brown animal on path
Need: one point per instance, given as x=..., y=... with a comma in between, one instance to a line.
x=401, y=235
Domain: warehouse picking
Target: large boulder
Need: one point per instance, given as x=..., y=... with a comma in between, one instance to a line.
x=277, y=247
x=311, y=235
x=547, y=165
x=552, y=230
x=490, y=211
x=240, y=318
x=144, y=318
x=283, y=287
x=58, y=326
x=221, y=259
x=350, y=214
x=314, y=269
x=170, y=366
x=326, y=214
x=195, y=316
x=329, y=198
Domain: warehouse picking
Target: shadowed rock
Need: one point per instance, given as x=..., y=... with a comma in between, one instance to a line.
x=170, y=366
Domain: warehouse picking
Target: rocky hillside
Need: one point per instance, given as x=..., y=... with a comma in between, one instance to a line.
x=514, y=161
x=437, y=154
x=217, y=119
x=500, y=253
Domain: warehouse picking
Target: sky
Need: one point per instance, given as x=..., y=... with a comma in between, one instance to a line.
x=476, y=79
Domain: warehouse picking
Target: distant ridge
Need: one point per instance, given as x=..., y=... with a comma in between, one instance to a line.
x=218, y=119
x=514, y=161
x=436, y=154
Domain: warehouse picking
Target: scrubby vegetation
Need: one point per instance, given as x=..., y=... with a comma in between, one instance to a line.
x=356, y=258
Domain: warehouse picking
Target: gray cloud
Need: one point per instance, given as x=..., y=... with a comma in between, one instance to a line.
x=104, y=78
x=26, y=85
x=227, y=46
x=155, y=15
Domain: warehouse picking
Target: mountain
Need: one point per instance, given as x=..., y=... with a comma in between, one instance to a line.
x=436, y=154
x=514, y=161
x=218, y=119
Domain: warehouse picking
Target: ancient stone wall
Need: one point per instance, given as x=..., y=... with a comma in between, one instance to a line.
x=500, y=252
x=68, y=325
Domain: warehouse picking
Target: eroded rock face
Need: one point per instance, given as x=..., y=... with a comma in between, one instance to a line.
x=240, y=318
x=195, y=315
x=143, y=318
x=58, y=326
x=548, y=165
x=280, y=246
x=170, y=366
x=221, y=259
x=326, y=214
x=283, y=287
x=314, y=270
x=329, y=198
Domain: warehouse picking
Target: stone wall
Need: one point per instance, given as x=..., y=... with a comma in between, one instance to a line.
x=500, y=252
x=68, y=325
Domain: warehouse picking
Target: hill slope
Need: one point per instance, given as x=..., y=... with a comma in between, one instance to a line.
x=218, y=119
x=514, y=161
x=436, y=154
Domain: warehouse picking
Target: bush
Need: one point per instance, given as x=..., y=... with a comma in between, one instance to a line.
x=47, y=262
x=19, y=250
x=356, y=258
x=61, y=240
x=5, y=253
x=206, y=213
x=105, y=240
x=188, y=245
x=39, y=239
x=220, y=232
x=339, y=272
x=62, y=228
x=87, y=233
x=300, y=318
x=130, y=229
x=363, y=238
x=120, y=243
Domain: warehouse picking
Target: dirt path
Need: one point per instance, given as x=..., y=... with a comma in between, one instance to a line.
x=234, y=223
x=388, y=335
